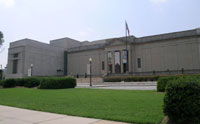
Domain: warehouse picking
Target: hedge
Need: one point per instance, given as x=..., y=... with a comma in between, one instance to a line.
x=57, y=83
x=31, y=82
x=9, y=83
x=182, y=100
x=163, y=81
x=46, y=83
x=1, y=82
x=20, y=81
x=130, y=78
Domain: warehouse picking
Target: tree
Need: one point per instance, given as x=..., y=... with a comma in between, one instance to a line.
x=1, y=42
x=1, y=38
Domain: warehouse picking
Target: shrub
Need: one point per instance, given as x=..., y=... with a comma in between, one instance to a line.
x=1, y=82
x=130, y=78
x=31, y=82
x=182, y=100
x=8, y=83
x=57, y=83
x=20, y=81
x=163, y=81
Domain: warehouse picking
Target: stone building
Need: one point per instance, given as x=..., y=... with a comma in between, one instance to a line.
x=171, y=53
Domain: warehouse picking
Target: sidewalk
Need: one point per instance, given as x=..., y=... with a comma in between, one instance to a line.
x=147, y=85
x=11, y=115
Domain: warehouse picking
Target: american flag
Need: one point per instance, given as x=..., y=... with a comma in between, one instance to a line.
x=127, y=29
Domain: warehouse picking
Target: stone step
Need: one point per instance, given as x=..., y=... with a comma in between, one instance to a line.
x=86, y=80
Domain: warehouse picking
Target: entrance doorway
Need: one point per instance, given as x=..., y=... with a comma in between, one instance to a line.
x=125, y=60
x=117, y=62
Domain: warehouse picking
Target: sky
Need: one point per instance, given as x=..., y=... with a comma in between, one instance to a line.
x=45, y=20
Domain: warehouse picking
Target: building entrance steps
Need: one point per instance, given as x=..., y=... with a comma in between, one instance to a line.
x=86, y=80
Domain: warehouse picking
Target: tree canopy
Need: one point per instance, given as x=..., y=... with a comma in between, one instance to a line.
x=1, y=38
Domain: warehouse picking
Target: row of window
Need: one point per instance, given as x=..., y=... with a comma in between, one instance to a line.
x=118, y=63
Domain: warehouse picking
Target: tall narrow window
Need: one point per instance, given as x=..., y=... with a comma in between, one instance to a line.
x=139, y=62
x=117, y=62
x=109, y=62
x=103, y=65
x=15, y=66
x=125, y=60
x=15, y=63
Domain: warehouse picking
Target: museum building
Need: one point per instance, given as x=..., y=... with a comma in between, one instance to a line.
x=170, y=53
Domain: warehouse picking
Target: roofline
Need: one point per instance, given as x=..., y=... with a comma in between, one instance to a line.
x=25, y=39
x=173, y=35
x=87, y=47
x=62, y=39
x=114, y=38
x=28, y=39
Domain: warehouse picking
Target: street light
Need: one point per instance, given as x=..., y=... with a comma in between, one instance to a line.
x=31, y=70
x=90, y=60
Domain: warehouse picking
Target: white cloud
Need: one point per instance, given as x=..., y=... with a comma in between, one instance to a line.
x=7, y=3
x=158, y=1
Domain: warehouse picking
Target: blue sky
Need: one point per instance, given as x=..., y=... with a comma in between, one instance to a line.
x=45, y=20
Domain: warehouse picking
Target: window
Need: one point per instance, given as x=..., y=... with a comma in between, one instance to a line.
x=15, y=63
x=103, y=65
x=15, y=55
x=139, y=62
x=14, y=69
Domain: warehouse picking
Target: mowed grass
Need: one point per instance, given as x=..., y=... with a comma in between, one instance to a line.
x=142, y=107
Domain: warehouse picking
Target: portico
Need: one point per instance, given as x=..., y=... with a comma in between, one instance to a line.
x=118, y=56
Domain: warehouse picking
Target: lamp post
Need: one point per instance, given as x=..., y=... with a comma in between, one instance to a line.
x=90, y=60
x=31, y=70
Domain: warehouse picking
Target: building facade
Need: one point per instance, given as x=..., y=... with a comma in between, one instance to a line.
x=171, y=53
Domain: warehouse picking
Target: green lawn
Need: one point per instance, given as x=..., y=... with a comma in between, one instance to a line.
x=132, y=106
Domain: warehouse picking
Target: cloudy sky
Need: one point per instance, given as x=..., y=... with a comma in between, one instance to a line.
x=44, y=20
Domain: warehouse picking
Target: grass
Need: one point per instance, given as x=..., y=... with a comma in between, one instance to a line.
x=142, y=107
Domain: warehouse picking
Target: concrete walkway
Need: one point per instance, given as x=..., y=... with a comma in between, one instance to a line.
x=147, y=85
x=11, y=115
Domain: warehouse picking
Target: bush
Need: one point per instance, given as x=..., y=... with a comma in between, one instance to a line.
x=130, y=78
x=1, y=82
x=8, y=83
x=28, y=82
x=163, y=81
x=57, y=83
x=20, y=81
x=31, y=82
x=182, y=100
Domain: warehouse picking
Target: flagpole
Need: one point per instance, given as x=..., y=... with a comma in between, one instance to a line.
x=126, y=47
x=126, y=33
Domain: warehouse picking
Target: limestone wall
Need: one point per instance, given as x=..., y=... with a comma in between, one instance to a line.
x=46, y=59
x=77, y=62
x=173, y=54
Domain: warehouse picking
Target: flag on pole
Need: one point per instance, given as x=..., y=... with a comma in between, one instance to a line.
x=127, y=29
